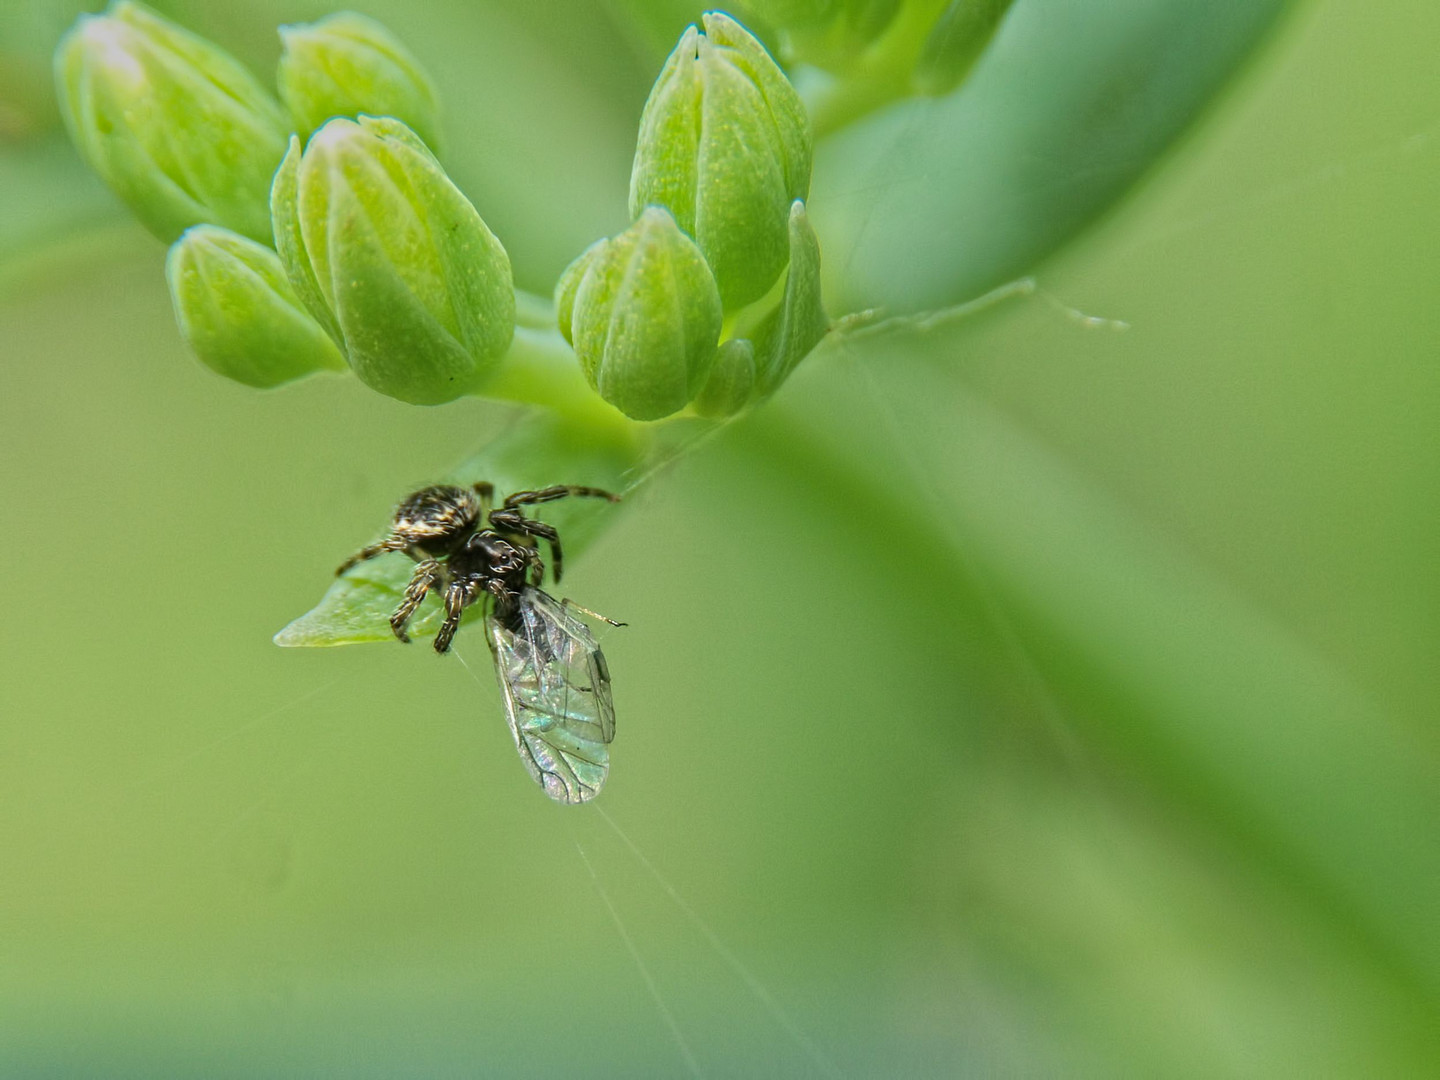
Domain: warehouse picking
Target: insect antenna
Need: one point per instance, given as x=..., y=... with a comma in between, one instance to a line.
x=568, y=603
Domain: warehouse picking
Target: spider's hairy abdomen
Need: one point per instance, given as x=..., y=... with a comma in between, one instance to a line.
x=437, y=512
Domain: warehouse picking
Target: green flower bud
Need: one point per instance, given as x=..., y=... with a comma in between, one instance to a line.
x=569, y=285
x=725, y=147
x=955, y=42
x=644, y=317
x=786, y=335
x=237, y=310
x=732, y=380
x=346, y=65
x=393, y=260
x=180, y=131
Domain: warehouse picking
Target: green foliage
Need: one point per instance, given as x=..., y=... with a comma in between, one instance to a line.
x=396, y=264
x=1071, y=105
x=1116, y=760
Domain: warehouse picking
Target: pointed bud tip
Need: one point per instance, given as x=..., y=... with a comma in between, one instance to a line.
x=725, y=146
x=178, y=128
x=333, y=134
x=645, y=317
x=387, y=253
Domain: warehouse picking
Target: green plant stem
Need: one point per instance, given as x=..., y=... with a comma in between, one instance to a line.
x=534, y=311
x=541, y=369
x=880, y=75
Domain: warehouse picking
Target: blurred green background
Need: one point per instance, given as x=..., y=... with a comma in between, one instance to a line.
x=1018, y=698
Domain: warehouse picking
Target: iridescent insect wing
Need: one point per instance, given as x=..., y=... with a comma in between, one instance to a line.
x=557, y=697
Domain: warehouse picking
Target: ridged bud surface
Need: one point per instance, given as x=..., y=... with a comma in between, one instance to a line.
x=393, y=260
x=643, y=314
x=176, y=126
x=347, y=65
x=238, y=313
x=725, y=146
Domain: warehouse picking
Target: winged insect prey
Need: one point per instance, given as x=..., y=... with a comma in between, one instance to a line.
x=556, y=686
x=553, y=677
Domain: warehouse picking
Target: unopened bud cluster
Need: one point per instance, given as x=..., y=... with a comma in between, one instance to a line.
x=723, y=155
x=358, y=251
x=178, y=128
x=643, y=314
x=725, y=146
x=315, y=229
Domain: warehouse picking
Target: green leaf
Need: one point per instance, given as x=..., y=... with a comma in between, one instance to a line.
x=933, y=201
x=539, y=449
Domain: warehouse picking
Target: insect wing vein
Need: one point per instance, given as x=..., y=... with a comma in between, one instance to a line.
x=557, y=697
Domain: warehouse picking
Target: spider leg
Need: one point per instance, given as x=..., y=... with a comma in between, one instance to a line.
x=457, y=598
x=504, y=599
x=550, y=494
x=426, y=576
x=516, y=522
x=535, y=563
x=380, y=547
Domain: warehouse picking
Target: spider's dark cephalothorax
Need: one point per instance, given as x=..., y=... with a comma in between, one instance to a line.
x=471, y=551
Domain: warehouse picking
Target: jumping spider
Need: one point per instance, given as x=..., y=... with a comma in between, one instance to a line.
x=470, y=550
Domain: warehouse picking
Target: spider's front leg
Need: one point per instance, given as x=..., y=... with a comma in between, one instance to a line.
x=510, y=518
x=458, y=597
x=426, y=577
x=535, y=564
x=559, y=491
